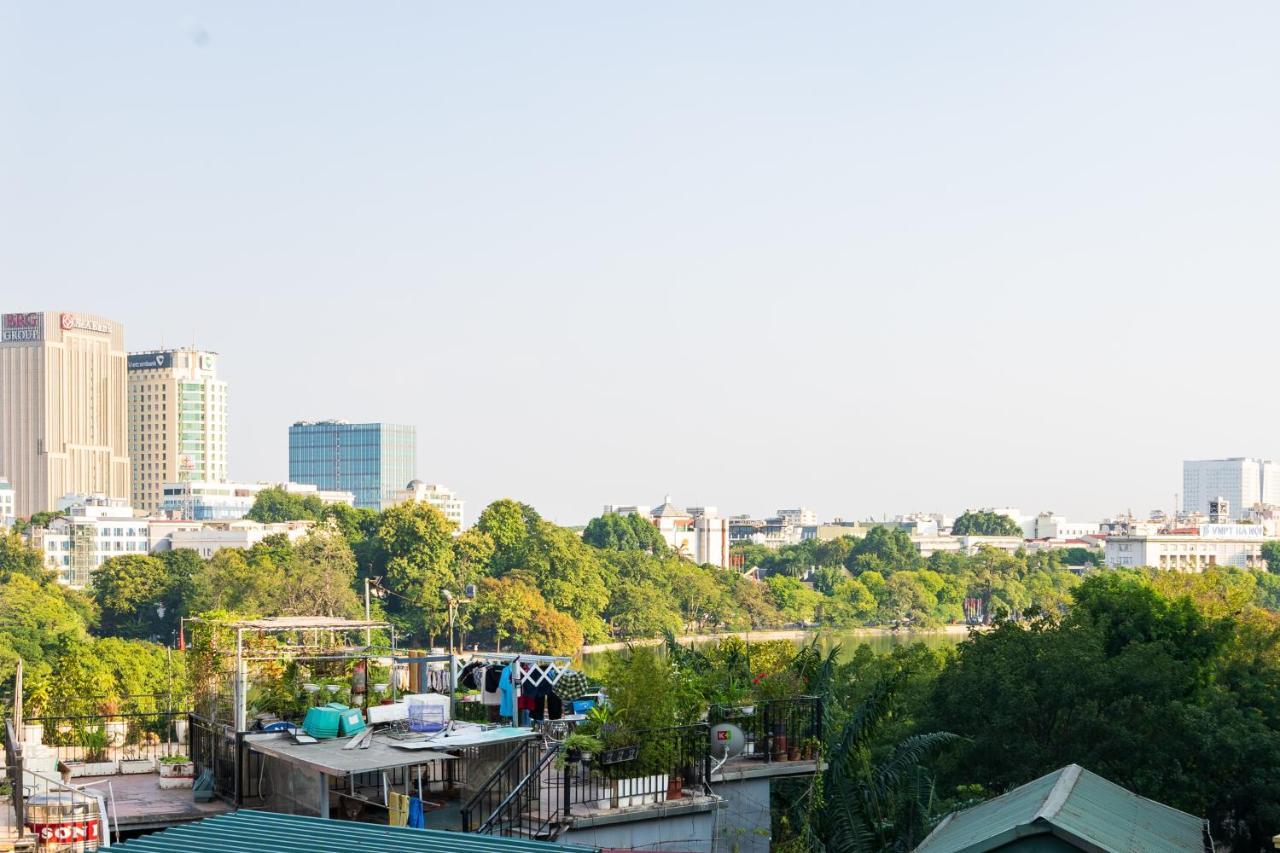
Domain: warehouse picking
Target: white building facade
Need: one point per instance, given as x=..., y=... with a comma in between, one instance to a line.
x=697, y=533
x=801, y=517
x=91, y=531
x=1244, y=481
x=440, y=497
x=1237, y=545
x=210, y=538
x=201, y=500
x=8, y=499
x=1046, y=525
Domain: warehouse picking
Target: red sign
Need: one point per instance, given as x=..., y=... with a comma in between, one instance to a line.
x=68, y=321
x=66, y=833
x=29, y=320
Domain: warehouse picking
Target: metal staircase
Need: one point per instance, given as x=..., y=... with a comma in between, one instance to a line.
x=526, y=796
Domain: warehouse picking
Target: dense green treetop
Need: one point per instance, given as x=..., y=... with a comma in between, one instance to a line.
x=630, y=532
x=274, y=504
x=984, y=523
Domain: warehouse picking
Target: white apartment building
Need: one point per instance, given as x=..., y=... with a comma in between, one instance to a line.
x=440, y=497
x=697, y=533
x=177, y=421
x=1245, y=482
x=7, y=500
x=928, y=545
x=209, y=538
x=202, y=500
x=1215, y=545
x=1046, y=525
x=92, y=530
x=801, y=517
x=769, y=532
x=63, y=425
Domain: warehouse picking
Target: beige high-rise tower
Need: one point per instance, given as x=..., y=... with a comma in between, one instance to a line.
x=177, y=421
x=62, y=407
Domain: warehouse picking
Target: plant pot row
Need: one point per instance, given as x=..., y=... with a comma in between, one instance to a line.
x=641, y=790
x=127, y=767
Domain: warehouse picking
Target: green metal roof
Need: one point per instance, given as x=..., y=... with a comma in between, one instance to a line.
x=248, y=830
x=1078, y=807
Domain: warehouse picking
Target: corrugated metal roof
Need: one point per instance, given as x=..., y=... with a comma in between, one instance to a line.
x=1077, y=806
x=248, y=830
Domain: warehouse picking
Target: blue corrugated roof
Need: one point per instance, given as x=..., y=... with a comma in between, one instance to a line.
x=1077, y=806
x=248, y=830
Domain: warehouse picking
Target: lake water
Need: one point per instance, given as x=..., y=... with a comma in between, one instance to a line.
x=593, y=664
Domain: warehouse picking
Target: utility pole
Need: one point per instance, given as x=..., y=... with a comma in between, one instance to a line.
x=368, y=632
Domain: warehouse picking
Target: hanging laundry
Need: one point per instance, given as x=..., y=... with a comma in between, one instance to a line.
x=489, y=693
x=571, y=685
x=397, y=809
x=417, y=817
x=507, y=704
x=470, y=675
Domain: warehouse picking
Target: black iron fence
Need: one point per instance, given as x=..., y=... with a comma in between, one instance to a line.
x=131, y=742
x=777, y=729
x=223, y=752
x=540, y=784
x=651, y=766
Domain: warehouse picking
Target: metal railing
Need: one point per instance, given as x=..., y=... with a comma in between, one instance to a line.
x=509, y=774
x=538, y=787
x=60, y=812
x=777, y=729
x=223, y=752
x=656, y=766
x=13, y=774
x=133, y=737
x=533, y=809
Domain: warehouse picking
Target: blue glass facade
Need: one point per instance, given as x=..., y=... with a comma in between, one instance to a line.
x=372, y=461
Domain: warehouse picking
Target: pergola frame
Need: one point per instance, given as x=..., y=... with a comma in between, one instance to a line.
x=317, y=626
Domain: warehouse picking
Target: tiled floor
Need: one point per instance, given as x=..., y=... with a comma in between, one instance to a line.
x=140, y=803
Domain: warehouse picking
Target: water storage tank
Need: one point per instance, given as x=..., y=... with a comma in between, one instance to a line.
x=64, y=822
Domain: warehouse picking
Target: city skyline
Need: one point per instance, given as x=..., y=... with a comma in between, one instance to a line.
x=865, y=260
x=728, y=506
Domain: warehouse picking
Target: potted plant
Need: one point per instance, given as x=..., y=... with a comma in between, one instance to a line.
x=117, y=730
x=810, y=747
x=176, y=771
x=135, y=760
x=578, y=748
x=94, y=760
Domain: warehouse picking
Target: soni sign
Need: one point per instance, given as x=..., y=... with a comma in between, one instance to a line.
x=150, y=360
x=28, y=326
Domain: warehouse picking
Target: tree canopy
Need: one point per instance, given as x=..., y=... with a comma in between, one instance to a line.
x=985, y=523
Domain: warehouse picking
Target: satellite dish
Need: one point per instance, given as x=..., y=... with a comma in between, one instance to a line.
x=727, y=741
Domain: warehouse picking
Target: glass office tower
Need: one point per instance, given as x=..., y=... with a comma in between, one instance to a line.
x=372, y=461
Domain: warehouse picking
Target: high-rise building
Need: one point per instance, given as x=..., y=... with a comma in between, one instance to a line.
x=372, y=461
x=177, y=421
x=63, y=424
x=1243, y=482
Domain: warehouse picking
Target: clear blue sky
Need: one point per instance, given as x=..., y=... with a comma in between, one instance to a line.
x=867, y=258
